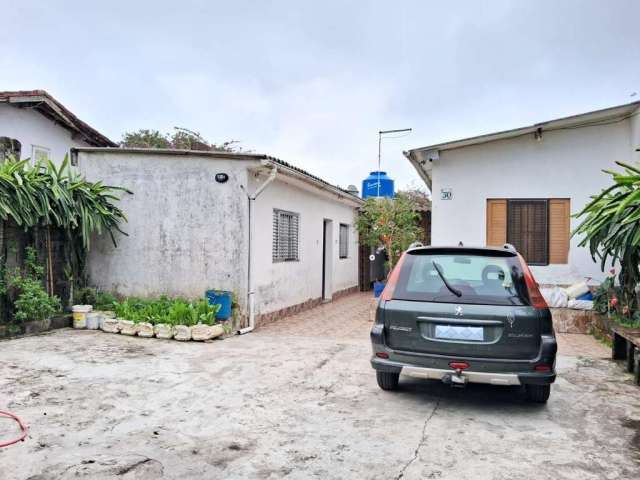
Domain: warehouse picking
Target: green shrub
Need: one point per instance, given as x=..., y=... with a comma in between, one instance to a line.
x=85, y=296
x=32, y=300
x=176, y=311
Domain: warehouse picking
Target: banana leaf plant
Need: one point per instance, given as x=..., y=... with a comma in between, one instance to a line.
x=611, y=229
x=43, y=196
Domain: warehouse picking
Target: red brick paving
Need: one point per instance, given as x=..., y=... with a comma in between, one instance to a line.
x=346, y=317
x=349, y=317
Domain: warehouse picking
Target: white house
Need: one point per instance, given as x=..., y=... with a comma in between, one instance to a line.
x=279, y=237
x=521, y=186
x=35, y=125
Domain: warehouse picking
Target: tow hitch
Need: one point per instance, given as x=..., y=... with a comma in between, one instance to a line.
x=455, y=379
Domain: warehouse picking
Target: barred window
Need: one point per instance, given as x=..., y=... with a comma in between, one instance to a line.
x=344, y=240
x=285, y=236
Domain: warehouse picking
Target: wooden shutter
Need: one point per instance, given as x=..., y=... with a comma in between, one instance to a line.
x=527, y=229
x=559, y=230
x=496, y=222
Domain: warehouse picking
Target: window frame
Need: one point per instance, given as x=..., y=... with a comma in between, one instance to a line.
x=346, y=241
x=35, y=148
x=291, y=254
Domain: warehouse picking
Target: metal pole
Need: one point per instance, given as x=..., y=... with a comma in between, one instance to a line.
x=379, y=159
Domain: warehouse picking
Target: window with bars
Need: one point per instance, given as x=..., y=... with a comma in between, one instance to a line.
x=285, y=236
x=344, y=241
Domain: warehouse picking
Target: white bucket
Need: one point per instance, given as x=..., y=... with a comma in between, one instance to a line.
x=93, y=320
x=80, y=315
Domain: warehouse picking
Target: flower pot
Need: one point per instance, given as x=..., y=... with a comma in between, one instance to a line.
x=80, y=315
x=182, y=333
x=110, y=325
x=93, y=320
x=145, y=329
x=164, y=330
x=127, y=327
x=202, y=332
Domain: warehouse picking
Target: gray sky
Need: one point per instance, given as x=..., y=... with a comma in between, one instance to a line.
x=313, y=82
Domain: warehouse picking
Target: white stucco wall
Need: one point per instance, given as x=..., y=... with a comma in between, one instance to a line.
x=281, y=284
x=564, y=164
x=31, y=128
x=187, y=233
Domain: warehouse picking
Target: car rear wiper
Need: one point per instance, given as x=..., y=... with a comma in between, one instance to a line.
x=453, y=290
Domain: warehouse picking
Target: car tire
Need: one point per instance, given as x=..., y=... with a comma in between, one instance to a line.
x=538, y=393
x=387, y=380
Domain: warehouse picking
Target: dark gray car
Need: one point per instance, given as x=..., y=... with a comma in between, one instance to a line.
x=459, y=315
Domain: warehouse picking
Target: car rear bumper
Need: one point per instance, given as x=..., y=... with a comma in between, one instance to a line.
x=495, y=371
x=491, y=378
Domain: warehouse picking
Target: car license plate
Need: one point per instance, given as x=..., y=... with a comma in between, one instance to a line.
x=456, y=332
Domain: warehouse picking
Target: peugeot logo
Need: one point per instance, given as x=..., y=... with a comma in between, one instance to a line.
x=459, y=311
x=511, y=319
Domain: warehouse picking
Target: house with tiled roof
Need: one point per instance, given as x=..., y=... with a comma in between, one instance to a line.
x=35, y=125
x=277, y=236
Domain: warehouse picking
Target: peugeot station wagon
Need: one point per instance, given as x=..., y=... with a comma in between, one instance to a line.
x=464, y=315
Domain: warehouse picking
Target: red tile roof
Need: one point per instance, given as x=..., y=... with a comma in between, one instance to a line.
x=56, y=112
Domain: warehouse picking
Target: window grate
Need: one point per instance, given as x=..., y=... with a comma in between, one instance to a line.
x=344, y=241
x=285, y=236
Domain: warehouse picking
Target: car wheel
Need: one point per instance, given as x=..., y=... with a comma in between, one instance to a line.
x=538, y=393
x=387, y=380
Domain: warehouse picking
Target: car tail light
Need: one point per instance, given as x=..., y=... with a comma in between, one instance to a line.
x=542, y=368
x=387, y=293
x=535, y=297
x=382, y=355
x=459, y=365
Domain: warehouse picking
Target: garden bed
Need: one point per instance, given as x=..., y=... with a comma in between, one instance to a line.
x=35, y=326
x=162, y=318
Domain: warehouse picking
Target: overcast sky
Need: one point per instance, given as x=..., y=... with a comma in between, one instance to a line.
x=313, y=82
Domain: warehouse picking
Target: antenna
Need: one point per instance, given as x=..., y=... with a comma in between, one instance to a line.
x=380, y=134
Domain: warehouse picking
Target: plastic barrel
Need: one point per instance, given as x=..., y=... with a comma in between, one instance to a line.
x=222, y=298
x=378, y=287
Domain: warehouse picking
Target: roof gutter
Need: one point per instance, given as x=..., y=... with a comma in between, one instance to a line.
x=420, y=164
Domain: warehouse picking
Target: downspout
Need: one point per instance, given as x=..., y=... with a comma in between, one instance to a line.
x=250, y=288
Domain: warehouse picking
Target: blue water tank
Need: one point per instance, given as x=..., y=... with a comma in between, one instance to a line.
x=377, y=184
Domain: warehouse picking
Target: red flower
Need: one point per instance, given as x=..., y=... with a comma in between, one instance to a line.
x=614, y=302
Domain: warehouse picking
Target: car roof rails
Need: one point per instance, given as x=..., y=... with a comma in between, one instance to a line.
x=508, y=246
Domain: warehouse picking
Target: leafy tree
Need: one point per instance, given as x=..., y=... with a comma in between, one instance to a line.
x=391, y=222
x=611, y=229
x=180, y=139
x=144, y=138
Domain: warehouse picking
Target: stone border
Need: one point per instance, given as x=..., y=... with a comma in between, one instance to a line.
x=267, y=318
x=37, y=326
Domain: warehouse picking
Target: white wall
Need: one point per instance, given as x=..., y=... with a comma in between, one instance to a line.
x=31, y=128
x=187, y=233
x=564, y=164
x=281, y=284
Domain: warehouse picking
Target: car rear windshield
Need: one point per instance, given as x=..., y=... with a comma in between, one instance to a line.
x=476, y=278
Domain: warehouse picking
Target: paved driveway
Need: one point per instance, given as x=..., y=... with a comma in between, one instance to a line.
x=293, y=402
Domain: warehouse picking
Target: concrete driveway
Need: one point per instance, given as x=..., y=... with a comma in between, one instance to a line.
x=290, y=401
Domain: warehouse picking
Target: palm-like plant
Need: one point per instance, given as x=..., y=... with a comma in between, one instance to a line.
x=43, y=196
x=611, y=228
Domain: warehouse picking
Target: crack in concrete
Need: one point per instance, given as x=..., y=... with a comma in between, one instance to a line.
x=421, y=442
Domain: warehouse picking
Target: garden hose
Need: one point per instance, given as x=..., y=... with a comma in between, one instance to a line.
x=23, y=428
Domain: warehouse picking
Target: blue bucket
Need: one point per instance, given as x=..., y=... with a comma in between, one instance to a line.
x=222, y=298
x=378, y=287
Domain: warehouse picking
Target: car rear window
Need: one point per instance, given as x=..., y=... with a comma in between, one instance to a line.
x=478, y=278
